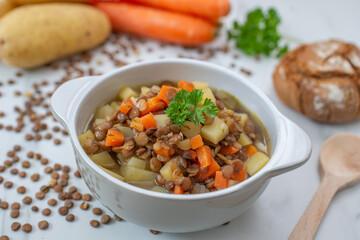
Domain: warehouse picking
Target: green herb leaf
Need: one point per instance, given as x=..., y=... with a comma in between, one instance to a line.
x=259, y=34
x=186, y=106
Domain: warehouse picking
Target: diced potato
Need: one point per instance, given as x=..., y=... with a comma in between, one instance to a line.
x=216, y=131
x=244, y=140
x=184, y=144
x=112, y=173
x=126, y=92
x=200, y=85
x=127, y=131
x=137, y=163
x=144, y=90
x=232, y=182
x=115, y=105
x=104, y=159
x=99, y=121
x=256, y=162
x=159, y=189
x=161, y=120
x=134, y=174
x=104, y=112
x=166, y=170
x=208, y=94
x=190, y=129
x=84, y=136
x=143, y=184
x=243, y=118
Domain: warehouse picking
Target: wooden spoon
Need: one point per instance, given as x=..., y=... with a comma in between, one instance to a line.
x=340, y=165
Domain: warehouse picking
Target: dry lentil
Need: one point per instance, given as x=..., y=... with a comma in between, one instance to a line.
x=70, y=218
x=63, y=211
x=14, y=213
x=46, y=211
x=84, y=206
x=26, y=227
x=15, y=226
x=22, y=174
x=95, y=223
x=43, y=225
x=27, y=200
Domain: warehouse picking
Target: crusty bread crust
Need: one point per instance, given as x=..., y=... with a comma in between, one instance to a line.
x=321, y=80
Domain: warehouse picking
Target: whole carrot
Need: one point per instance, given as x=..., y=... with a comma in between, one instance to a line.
x=159, y=24
x=211, y=9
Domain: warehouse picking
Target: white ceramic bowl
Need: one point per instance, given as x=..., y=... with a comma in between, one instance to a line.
x=75, y=101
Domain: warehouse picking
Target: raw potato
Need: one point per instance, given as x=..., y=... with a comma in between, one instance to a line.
x=33, y=35
x=5, y=7
x=22, y=2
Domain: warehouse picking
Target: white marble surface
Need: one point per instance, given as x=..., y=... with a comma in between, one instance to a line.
x=277, y=211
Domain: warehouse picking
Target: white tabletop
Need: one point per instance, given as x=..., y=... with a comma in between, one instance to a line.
x=274, y=214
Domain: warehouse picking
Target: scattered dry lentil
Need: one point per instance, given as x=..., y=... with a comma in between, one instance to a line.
x=70, y=218
x=105, y=219
x=15, y=226
x=26, y=227
x=95, y=223
x=46, y=211
x=43, y=225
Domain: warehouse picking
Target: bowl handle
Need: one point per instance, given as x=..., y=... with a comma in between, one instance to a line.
x=64, y=96
x=297, y=148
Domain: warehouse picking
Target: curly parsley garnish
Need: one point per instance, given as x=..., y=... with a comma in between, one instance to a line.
x=186, y=106
x=259, y=34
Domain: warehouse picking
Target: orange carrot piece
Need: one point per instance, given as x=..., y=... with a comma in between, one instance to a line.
x=163, y=152
x=204, y=156
x=178, y=190
x=186, y=85
x=162, y=93
x=251, y=150
x=148, y=121
x=193, y=154
x=211, y=9
x=241, y=176
x=228, y=150
x=126, y=106
x=196, y=142
x=114, y=138
x=136, y=123
x=210, y=171
x=153, y=105
x=157, y=23
x=220, y=181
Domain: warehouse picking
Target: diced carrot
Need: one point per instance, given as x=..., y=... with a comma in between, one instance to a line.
x=157, y=23
x=220, y=181
x=193, y=154
x=210, y=9
x=228, y=150
x=162, y=93
x=241, y=176
x=126, y=106
x=153, y=105
x=205, y=173
x=196, y=142
x=136, y=123
x=114, y=138
x=148, y=121
x=186, y=85
x=204, y=156
x=251, y=150
x=178, y=190
x=163, y=149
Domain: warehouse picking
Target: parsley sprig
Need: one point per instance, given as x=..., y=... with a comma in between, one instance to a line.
x=259, y=34
x=186, y=106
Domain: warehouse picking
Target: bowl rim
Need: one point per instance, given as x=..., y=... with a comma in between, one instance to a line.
x=261, y=174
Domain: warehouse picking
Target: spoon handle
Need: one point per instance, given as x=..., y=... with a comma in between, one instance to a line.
x=310, y=221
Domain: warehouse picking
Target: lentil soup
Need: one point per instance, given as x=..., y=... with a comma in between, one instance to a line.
x=177, y=137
